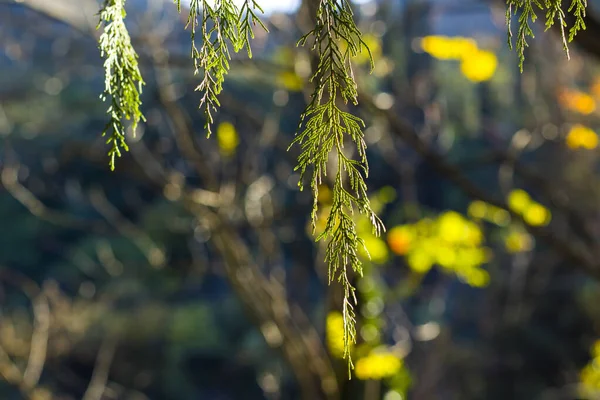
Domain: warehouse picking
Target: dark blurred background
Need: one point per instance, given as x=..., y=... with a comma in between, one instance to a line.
x=191, y=272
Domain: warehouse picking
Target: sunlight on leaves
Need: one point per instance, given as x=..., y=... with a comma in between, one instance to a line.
x=123, y=81
x=324, y=128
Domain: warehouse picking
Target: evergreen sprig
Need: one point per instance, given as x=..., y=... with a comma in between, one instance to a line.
x=324, y=127
x=221, y=24
x=554, y=11
x=123, y=80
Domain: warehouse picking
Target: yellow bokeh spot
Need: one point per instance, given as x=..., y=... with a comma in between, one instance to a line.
x=446, y=256
x=387, y=194
x=471, y=257
x=577, y=101
x=291, y=81
x=334, y=331
x=582, y=136
x=450, y=241
x=399, y=239
x=448, y=48
x=477, y=209
x=473, y=236
x=590, y=375
x=377, y=366
x=596, y=87
x=373, y=44
x=518, y=200
x=324, y=195
x=479, y=66
x=516, y=242
x=596, y=349
x=424, y=227
x=321, y=220
x=420, y=261
x=376, y=248
x=500, y=217
x=452, y=227
x=478, y=278
x=476, y=64
x=227, y=138
x=536, y=215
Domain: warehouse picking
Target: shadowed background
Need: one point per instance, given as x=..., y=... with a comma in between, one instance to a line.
x=191, y=271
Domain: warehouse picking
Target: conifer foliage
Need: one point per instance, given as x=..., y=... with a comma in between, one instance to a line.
x=222, y=24
x=123, y=80
x=324, y=129
x=554, y=11
x=326, y=125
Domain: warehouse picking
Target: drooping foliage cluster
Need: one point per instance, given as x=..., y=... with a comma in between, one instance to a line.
x=123, y=80
x=326, y=126
x=554, y=12
x=324, y=129
x=222, y=24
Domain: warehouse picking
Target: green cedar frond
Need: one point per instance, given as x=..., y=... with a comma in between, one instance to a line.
x=554, y=12
x=324, y=127
x=578, y=8
x=123, y=80
x=221, y=25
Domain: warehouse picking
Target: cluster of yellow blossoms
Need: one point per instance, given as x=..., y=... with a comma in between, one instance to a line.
x=581, y=136
x=516, y=239
x=475, y=64
x=450, y=241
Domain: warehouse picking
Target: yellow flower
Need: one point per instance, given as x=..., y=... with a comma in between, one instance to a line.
x=377, y=366
x=518, y=200
x=582, y=136
x=479, y=66
x=228, y=139
x=536, y=215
